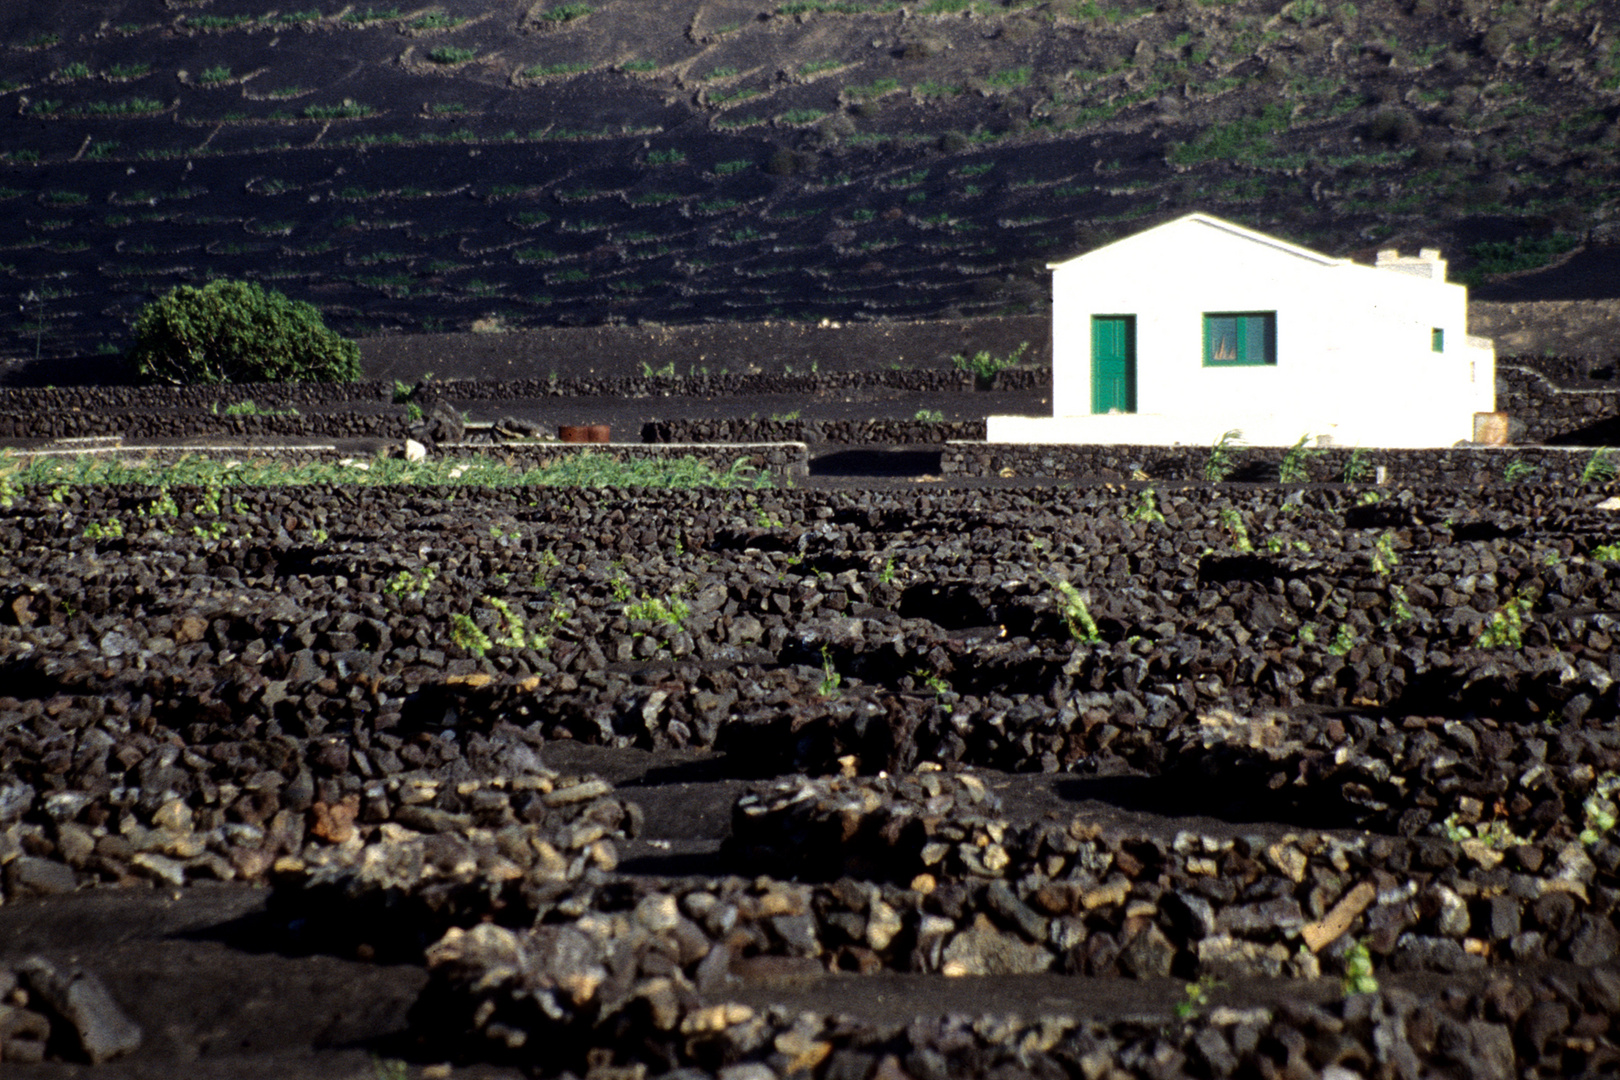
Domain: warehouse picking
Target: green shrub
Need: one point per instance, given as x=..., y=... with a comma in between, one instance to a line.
x=235, y=331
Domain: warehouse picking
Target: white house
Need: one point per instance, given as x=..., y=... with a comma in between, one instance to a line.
x=1199, y=326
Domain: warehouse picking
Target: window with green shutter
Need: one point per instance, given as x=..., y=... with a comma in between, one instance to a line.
x=1240, y=339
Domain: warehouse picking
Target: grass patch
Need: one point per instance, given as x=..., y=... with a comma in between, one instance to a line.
x=795, y=117
x=666, y=157
x=1510, y=256
x=217, y=22
x=1247, y=137
x=640, y=66
x=214, y=76
x=349, y=110
x=1013, y=77
x=587, y=469
x=437, y=20
x=727, y=168
x=121, y=72
x=127, y=107
x=836, y=7
x=566, y=13
x=367, y=15
x=743, y=94
x=872, y=90
x=540, y=71
x=293, y=18
x=450, y=54
x=816, y=67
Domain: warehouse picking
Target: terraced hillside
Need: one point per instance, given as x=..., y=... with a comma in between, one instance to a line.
x=454, y=164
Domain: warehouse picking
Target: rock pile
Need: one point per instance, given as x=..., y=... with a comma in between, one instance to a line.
x=1105, y=899
x=42, y=1003
x=645, y=987
x=95, y=792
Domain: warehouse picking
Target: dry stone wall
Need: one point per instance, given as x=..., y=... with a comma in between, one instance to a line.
x=1467, y=466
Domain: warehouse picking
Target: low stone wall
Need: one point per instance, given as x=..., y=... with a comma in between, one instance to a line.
x=122, y=399
x=929, y=380
x=117, y=399
x=47, y=424
x=1466, y=466
x=1550, y=411
x=891, y=432
x=1595, y=372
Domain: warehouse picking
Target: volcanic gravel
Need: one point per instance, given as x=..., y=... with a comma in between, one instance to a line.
x=1195, y=755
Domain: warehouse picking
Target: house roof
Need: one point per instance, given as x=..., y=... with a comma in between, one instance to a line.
x=1211, y=222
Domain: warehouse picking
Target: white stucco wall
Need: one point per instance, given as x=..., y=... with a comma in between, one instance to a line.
x=1354, y=359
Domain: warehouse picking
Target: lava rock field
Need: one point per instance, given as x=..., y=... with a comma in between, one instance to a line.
x=754, y=782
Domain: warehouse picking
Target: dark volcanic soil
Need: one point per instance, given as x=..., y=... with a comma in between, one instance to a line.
x=585, y=780
x=522, y=164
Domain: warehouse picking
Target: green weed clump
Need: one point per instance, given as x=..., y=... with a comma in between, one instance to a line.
x=1504, y=628
x=671, y=611
x=1600, y=467
x=465, y=634
x=1076, y=615
x=985, y=366
x=1296, y=463
x=449, y=54
x=1358, y=971
x=1222, y=460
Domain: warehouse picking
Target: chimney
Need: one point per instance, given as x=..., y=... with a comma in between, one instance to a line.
x=1427, y=263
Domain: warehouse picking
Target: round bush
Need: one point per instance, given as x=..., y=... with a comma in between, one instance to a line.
x=236, y=332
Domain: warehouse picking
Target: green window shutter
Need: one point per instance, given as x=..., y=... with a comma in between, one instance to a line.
x=1240, y=339
x=1437, y=339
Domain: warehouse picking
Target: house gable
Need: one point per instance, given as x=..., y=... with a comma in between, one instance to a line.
x=1201, y=231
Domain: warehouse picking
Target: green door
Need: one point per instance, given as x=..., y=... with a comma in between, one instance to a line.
x=1113, y=363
